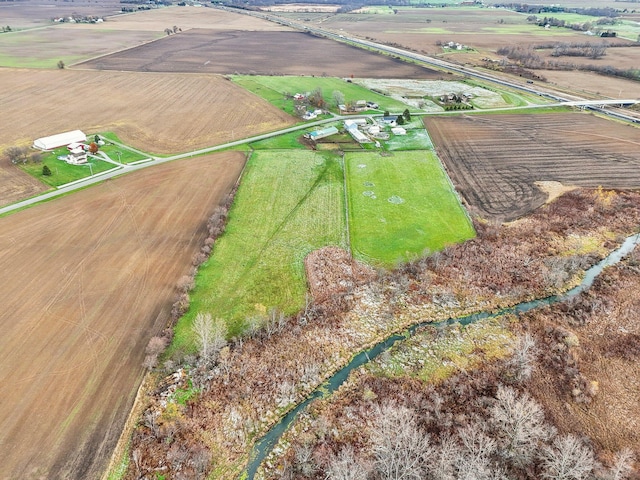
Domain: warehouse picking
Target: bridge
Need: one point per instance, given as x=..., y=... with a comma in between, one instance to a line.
x=601, y=103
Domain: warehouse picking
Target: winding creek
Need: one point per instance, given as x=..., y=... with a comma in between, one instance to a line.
x=264, y=446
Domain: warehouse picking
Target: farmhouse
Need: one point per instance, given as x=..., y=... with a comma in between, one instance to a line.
x=311, y=115
x=77, y=154
x=59, y=140
x=390, y=120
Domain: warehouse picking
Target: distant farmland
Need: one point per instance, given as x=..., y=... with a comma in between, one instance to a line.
x=257, y=53
x=494, y=160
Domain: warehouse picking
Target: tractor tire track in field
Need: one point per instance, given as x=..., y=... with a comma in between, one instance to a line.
x=280, y=226
x=72, y=275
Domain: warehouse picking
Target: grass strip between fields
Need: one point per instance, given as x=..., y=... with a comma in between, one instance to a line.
x=289, y=203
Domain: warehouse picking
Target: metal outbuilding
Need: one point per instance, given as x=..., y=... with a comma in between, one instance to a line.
x=325, y=132
x=60, y=140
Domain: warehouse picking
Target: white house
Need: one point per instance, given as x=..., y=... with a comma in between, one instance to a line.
x=77, y=154
x=60, y=140
x=353, y=123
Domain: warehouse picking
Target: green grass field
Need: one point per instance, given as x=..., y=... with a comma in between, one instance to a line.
x=400, y=206
x=416, y=138
x=61, y=171
x=272, y=89
x=289, y=203
x=122, y=155
x=286, y=141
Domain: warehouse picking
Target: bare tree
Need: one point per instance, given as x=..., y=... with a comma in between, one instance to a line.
x=519, y=424
x=154, y=348
x=474, y=460
x=345, y=466
x=521, y=363
x=622, y=465
x=400, y=449
x=338, y=97
x=186, y=283
x=441, y=466
x=16, y=154
x=567, y=459
x=316, y=99
x=304, y=462
x=36, y=157
x=210, y=334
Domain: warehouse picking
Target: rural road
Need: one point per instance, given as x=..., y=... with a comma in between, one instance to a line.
x=123, y=168
x=598, y=105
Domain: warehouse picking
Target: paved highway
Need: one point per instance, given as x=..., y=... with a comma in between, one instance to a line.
x=438, y=63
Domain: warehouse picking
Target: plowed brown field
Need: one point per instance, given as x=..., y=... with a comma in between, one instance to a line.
x=86, y=281
x=16, y=185
x=166, y=113
x=494, y=160
x=257, y=52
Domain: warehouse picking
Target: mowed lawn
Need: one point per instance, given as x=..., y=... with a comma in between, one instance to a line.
x=290, y=202
x=400, y=206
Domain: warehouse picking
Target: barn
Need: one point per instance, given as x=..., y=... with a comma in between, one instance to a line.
x=60, y=140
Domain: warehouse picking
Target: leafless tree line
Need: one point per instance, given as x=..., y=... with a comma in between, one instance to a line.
x=157, y=344
x=513, y=440
x=21, y=155
x=527, y=57
x=502, y=434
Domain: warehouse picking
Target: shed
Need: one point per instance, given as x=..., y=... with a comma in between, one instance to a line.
x=358, y=136
x=60, y=140
x=398, y=131
x=325, y=132
x=353, y=123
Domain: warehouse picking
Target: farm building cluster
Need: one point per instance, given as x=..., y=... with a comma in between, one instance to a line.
x=310, y=99
x=75, y=141
x=362, y=130
x=357, y=106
